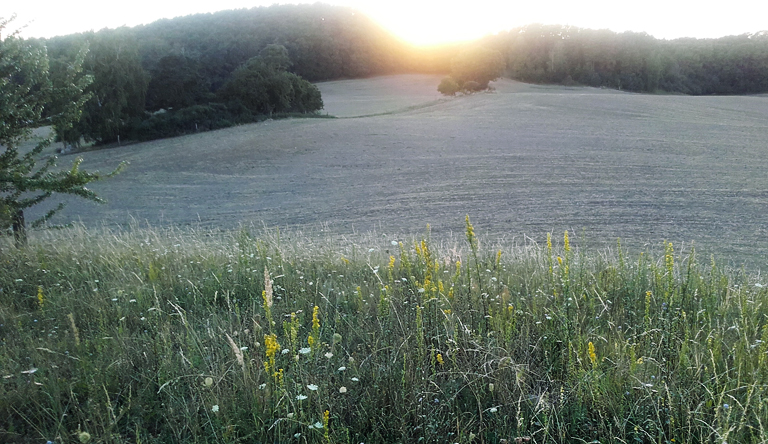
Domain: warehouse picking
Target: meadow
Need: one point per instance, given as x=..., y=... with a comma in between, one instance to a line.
x=180, y=335
x=317, y=280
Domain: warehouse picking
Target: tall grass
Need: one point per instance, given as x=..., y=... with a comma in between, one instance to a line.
x=166, y=335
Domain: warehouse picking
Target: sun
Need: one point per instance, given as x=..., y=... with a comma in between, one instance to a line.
x=428, y=23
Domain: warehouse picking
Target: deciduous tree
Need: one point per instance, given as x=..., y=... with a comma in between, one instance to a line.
x=478, y=64
x=25, y=90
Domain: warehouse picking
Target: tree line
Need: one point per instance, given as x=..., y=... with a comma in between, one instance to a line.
x=634, y=61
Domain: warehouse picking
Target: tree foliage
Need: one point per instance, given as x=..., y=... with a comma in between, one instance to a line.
x=448, y=86
x=26, y=89
x=262, y=86
x=477, y=64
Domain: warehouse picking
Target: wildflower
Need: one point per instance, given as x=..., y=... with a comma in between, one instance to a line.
x=318, y=425
x=312, y=387
x=262, y=386
x=290, y=415
x=490, y=387
x=40, y=296
x=270, y=341
x=296, y=435
x=355, y=379
x=726, y=406
x=301, y=397
x=215, y=408
x=284, y=351
x=315, y=320
x=592, y=354
x=84, y=437
x=208, y=381
x=342, y=390
x=329, y=355
x=305, y=350
x=440, y=358
x=493, y=410
x=342, y=368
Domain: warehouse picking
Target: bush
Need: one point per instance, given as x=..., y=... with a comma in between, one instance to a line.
x=472, y=86
x=448, y=87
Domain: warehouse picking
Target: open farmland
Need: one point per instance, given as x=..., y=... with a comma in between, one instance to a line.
x=524, y=160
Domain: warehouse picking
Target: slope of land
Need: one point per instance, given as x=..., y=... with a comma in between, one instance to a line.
x=522, y=160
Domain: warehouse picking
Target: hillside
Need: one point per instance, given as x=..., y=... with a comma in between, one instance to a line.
x=524, y=160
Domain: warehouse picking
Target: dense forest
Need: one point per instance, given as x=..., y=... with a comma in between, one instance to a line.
x=635, y=61
x=207, y=71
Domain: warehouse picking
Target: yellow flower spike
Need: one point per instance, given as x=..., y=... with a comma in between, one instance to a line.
x=272, y=346
x=315, y=320
x=40, y=296
x=440, y=359
x=326, y=421
x=566, y=242
x=559, y=260
x=592, y=354
x=471, y=234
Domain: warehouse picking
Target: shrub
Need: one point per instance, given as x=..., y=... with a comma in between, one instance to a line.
x=448, y=87
x=472, y=86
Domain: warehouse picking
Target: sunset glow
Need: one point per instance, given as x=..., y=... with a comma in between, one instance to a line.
x=422, y=22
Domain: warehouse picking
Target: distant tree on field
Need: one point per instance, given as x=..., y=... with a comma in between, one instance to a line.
x=448, y=87
x=471, y=86
x=478, y=64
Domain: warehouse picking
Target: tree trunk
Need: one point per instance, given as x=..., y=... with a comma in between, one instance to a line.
x=19, y=229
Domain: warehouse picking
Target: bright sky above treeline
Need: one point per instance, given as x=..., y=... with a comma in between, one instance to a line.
x=423, y=22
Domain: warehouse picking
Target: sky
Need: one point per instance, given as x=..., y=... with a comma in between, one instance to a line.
x=423, y=22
